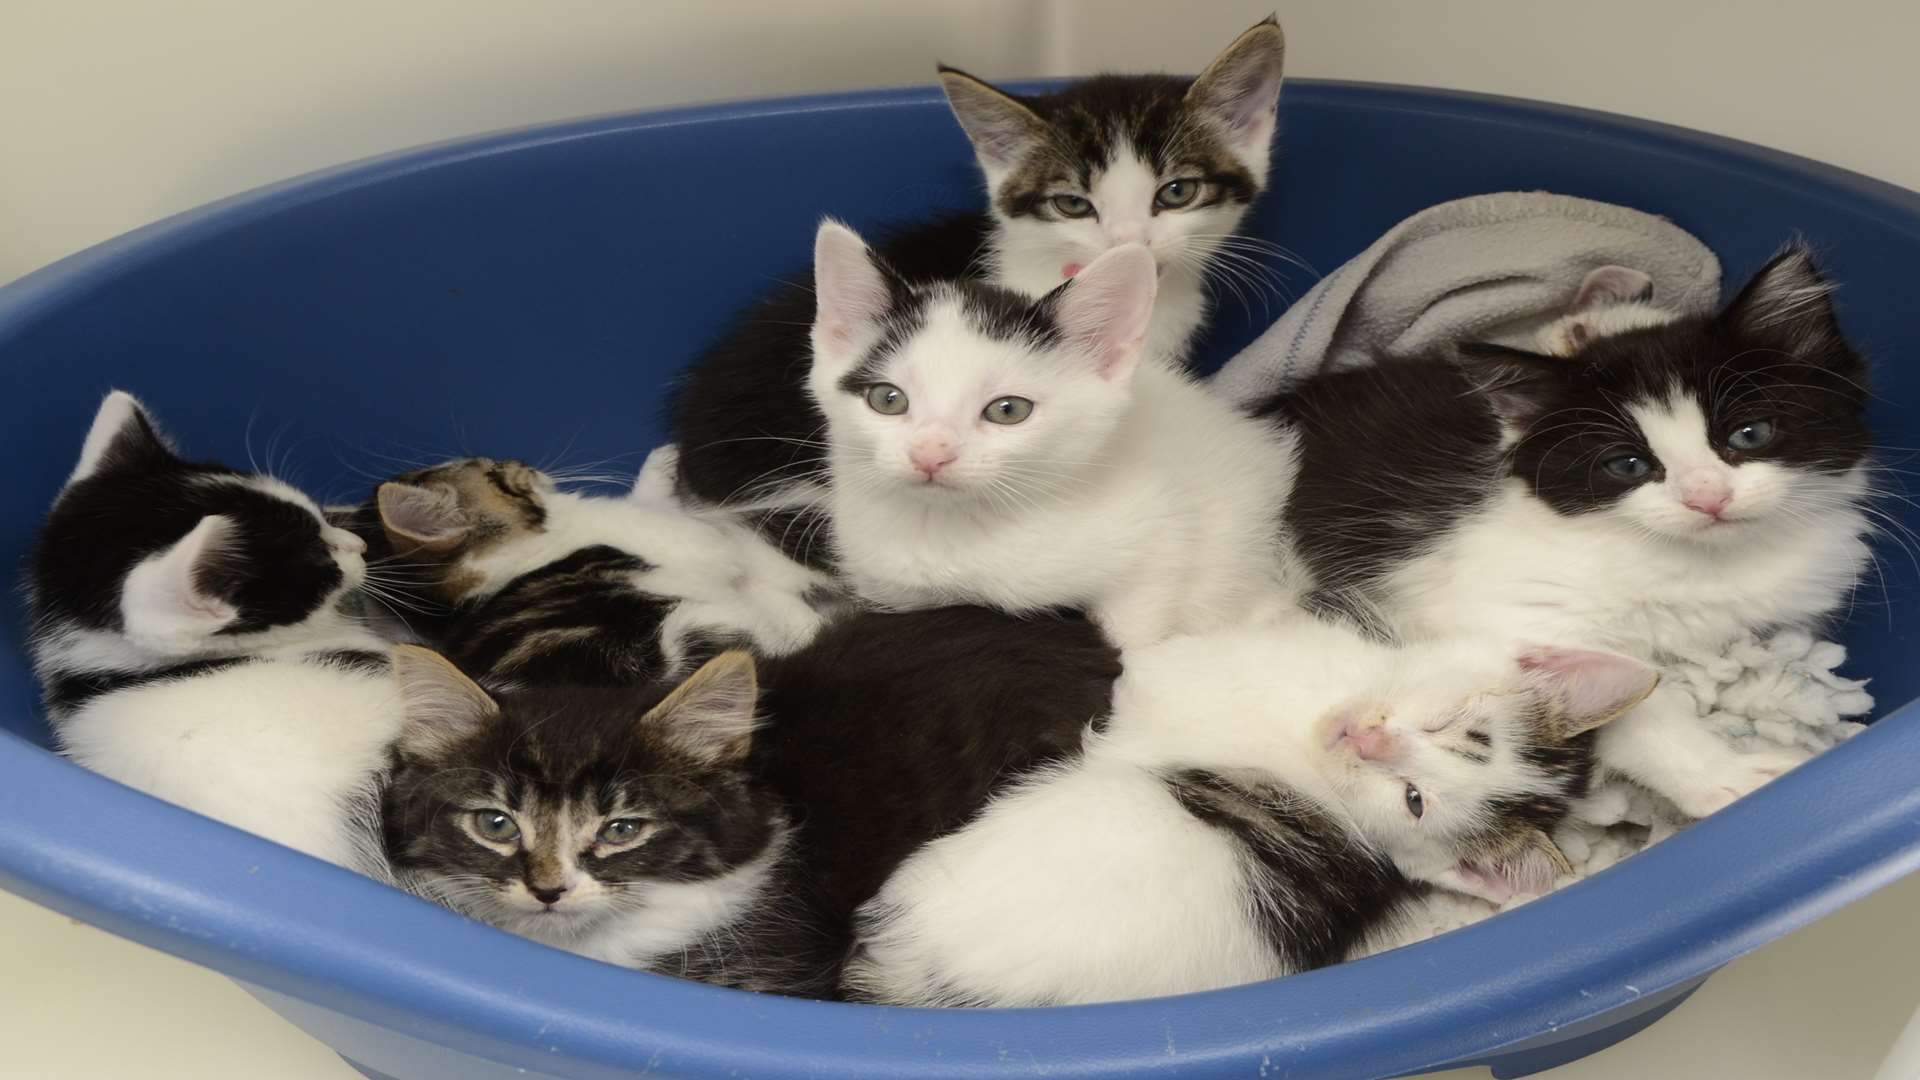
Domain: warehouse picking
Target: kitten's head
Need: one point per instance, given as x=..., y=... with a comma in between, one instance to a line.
x=425, y=528
x=1166, y=162
x=178, y=557
x=547, y=813
x=963, y=391
x=1710, y=429
x=1459, y=764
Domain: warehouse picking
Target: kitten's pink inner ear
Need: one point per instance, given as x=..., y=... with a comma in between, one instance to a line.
x=850, y=289
x=1104, y=310
x=1593, y=687
x=162, y=600
x=1610, y=285
x=430, y=518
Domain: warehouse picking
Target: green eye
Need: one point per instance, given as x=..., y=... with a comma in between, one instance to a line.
x=1008, y=410
x=1628, y=467
x=1073, y=206
x=1752, y=436
x=495, y=825
x=1175, y=194
x=621, y=831
x=886, y=399
x=1416, y=803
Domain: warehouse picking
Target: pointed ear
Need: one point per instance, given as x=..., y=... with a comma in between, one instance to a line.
x=440, y=705
x=422, y=518
x=659, y=478
x=169, y=600
x=1003, y=131
x=852, y=292
x=711, y=716
x=1528, y=863
x=1240, y=90
x=1513, y=380
x=1608, y=286
x=122, y=436
x=1791, y=302
x=1590, y=687
x=1103, y=310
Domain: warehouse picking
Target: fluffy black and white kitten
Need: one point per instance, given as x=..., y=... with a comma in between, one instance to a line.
x=1671, y=485
x=1260, y=801
x=522, y=583
x=192, y=637
x=1166, y=162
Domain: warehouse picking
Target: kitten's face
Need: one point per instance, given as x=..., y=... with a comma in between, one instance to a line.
x=425, y=528
x=1717, y=430
x=1458, y=763
x=1168, y=163
x=963, y=392
x=547, y=814
x=180, y=556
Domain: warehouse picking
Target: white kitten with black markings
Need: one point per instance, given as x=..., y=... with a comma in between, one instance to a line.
x=1018, y=454
x=1259, y=803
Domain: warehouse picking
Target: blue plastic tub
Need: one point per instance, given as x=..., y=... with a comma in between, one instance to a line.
x=529, y=293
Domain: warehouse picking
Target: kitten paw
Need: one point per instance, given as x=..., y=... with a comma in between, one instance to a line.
x=1745, y=774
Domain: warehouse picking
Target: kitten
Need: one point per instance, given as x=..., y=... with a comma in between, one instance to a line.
x=522, y=583
x=1023, y=455
x=1115, y=159
x=1661, y=492
x=1259, y=803
x=1611, y=300
x=190, y=633
x=619, y=823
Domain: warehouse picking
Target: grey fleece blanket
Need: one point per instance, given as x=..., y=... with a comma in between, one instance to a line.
x=1493, y=267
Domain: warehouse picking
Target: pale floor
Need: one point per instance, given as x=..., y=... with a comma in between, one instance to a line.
x=79, y=1004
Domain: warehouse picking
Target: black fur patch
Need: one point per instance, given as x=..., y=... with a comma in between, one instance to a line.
x=1319, y=890
x=69, y=691
x=994, y=313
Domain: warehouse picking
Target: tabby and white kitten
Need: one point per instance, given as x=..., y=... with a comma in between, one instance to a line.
x=1165, y=162
x=1024, y=454
x=522, y=583
x=1260, y=802
x=612, y=822
x=191, y=637
x=1661, y=492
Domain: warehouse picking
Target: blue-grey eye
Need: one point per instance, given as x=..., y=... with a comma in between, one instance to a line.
x=1175, y=194
x=1628, y=467
x=1073, y=206
x=1416, y=804
x=1752, y=436
x=495, y=825
x=621, y=831
x=886, y=399
x=1008, y=410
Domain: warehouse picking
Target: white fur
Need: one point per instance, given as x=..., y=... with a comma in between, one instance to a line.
x=1571, y=333
x=279, y=747
x=726, y=577
x=1089, y=882
x=1141, y=496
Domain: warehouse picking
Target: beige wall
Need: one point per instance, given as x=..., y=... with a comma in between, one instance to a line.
x=116, y=112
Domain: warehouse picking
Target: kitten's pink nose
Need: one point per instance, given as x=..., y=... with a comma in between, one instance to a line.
x=1371, y=743
x=1706, y=493
x=931, y=456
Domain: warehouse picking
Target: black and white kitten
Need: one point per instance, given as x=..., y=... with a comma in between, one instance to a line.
x=192, y=637
x=1166, y=162
x=1673, y=484
x=522, y=583
x=1260, y=801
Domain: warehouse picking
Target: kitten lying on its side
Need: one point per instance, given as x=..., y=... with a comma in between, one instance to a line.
x=1260, y=802
x=1663, y=491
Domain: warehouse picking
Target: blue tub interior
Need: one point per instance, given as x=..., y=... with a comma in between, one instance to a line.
x=530, y=294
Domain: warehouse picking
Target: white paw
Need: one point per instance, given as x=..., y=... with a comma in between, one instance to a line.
x=1742, y=775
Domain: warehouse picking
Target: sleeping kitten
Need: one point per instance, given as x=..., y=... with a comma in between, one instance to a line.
x=522, y=583
x=619, y=823
x=190, y=639
x=1260, y=801
x=1661, y=492
x=1023, y=455
x=1115, y=159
